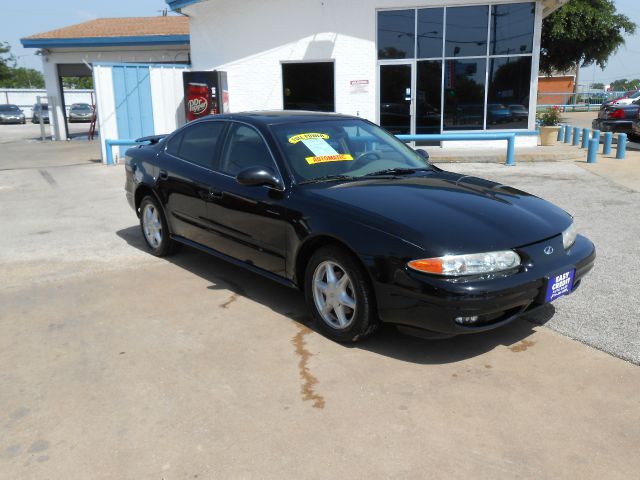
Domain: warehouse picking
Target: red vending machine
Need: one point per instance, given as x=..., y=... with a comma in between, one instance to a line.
x=205, y=93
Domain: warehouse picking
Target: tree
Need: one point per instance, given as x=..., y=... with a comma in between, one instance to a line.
x=78, y=83
x=597, y=86
x=7, y=61
x=582, y=33
x=624, y=84
x=23, y=78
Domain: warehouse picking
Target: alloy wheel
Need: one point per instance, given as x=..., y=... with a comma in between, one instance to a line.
x=152, y=225
x=334, y=295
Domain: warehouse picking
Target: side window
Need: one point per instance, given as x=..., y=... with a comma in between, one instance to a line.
x=173, y=144
x=199, y=143
x=245, y=148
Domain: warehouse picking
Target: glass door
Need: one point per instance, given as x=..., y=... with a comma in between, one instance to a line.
x=396, y=98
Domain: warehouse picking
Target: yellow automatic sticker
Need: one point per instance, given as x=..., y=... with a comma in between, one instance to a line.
x=328, y=158
x=307, y=136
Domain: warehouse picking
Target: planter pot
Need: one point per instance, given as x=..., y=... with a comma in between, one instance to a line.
x=549, y=135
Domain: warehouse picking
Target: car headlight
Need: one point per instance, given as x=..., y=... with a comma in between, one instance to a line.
x=470, y=264
x=569, y=236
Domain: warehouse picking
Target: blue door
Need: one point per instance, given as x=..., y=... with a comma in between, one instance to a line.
x=132, y=95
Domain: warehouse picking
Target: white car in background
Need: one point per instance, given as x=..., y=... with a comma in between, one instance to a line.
x=626, y=100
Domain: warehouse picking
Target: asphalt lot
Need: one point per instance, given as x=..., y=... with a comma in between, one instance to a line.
x=30, y=132
x=116, y=364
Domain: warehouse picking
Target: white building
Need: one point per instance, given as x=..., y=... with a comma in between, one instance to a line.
x=71, y=51
x=412, y=66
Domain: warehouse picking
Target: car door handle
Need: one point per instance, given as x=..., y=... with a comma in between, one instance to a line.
x=163, y=175
x=215, y=194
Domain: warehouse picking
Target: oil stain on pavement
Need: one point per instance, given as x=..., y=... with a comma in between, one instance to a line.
x=231, y=299
x=309, y=381
x=522, y=346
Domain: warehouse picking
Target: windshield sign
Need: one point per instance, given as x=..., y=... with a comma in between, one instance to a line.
x=342, y=148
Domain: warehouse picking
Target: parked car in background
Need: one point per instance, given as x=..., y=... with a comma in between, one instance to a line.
x=80, y=112
x=630, y=97
x=40, y=110
x=519, y=112
x=617, y=118
x=11, y=114
x=635, y=127
x=364, y=225
x=498, y=113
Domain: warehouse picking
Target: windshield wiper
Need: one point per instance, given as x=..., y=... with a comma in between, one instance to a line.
x=327, y=178
x=396, y=171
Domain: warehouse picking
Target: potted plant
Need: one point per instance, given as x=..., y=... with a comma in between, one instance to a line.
x=549, y=120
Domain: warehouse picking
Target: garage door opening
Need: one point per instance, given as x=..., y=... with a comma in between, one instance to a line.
x=308, y=86
x=79, y=108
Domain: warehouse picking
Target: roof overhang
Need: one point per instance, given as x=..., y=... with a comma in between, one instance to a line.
x=178, y=4
x=96, y=42
x=550, y=6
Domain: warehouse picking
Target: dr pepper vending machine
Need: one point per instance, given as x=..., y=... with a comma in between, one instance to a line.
x=205, y=93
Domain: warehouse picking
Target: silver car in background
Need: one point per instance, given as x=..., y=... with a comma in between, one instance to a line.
x=11, y=114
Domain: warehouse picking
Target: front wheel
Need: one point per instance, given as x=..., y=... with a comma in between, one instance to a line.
x=339, y=295
x=154, y=228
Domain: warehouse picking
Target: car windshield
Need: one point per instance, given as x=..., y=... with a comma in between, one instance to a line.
x=85, y=107
x=41, y=107
x=343, y=148
x=9, y=108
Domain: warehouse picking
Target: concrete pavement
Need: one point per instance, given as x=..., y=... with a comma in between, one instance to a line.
x=116, y=364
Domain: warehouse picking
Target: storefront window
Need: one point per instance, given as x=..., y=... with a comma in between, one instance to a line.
x=462, y=68
x=512, y=28
x=396, y=34
x=464, y=94
x=430, y=24
x=467, y=29
x=428, y=96
x=508, y=95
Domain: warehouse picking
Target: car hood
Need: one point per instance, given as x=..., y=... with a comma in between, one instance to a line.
x=445, y=212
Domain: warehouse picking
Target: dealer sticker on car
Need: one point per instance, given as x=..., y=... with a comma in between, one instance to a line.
x=559, y=285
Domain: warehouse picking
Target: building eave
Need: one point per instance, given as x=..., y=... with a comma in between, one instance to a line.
x=178, y=4
x=147, y=40
x=550, y=6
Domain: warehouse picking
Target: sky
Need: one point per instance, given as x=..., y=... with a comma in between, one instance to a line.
x=27, y=17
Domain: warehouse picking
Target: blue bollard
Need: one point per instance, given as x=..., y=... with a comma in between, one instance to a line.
x=567, y=134
x=585, y=138
x=511, y=150
x=596, y=136
x=621, y=151
x=576, y=136
x=561, y=133
x=608, y=138
x=593, y=151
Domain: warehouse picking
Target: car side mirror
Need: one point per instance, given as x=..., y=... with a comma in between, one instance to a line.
x=258, y=176
x=424, y=154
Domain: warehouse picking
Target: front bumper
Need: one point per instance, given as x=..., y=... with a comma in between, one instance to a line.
x=6, y=120
x=427, y=302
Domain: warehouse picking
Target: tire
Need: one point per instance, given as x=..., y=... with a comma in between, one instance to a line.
x=354, y=323
x=154, y=228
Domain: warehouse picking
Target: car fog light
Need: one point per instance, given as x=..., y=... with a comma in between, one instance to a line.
x=466, y=320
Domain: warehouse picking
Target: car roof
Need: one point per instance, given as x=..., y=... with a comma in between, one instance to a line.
x=274, y=117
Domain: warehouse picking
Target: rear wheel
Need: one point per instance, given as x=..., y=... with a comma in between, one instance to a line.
x=339, y=295
x=154, y=228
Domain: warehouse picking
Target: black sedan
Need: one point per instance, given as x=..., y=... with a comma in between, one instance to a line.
x=617, y=118
x=363, y=224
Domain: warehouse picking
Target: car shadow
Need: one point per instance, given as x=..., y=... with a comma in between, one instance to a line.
x=388, y=341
